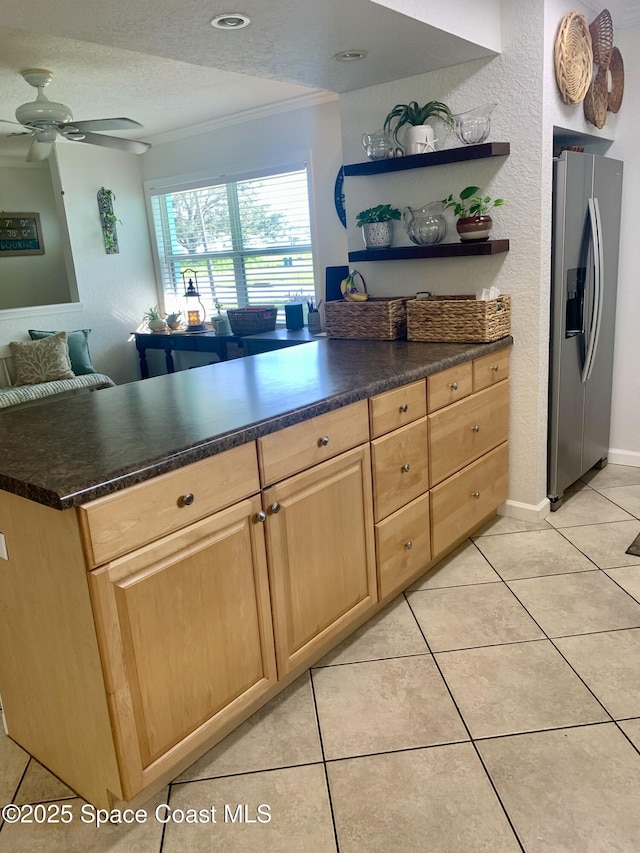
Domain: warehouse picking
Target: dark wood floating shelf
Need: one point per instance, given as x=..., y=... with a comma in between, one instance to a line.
x=435, y=158
x=439, y=250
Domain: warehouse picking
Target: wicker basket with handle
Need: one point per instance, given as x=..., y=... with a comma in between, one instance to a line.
x=379, y=318
x=458, y=318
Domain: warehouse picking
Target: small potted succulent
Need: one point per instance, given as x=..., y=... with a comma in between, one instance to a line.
x=155, y=320
x=377, y=225
x=419, y=137
x=173, y=320
x=472, y=210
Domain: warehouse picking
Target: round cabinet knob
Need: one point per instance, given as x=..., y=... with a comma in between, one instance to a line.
x=475, y=495
x=260, y=516
x=475, y=428
x=406, y=468
x=454, y=386
x=275, y=508
x=495, y=368
x=408, y=545
x=322, y=442
x=404, y=408
x=186, y=500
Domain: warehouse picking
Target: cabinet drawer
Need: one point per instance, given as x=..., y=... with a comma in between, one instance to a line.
x=400, y=469
x=490, y=369
x=119, y=523
x=449, y=386
x=462, y=501
x=403, y=545
x=398, y=407
x=465, y=430
x=298, y=447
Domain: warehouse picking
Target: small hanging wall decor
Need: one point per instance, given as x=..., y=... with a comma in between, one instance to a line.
x=108, y=221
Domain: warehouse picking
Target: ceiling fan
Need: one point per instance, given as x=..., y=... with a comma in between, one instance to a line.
x=45, y=120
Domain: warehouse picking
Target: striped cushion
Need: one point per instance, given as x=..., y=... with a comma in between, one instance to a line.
x=26, y=393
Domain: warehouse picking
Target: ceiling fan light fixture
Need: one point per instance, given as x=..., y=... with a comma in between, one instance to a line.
x=350, y=55
x=230, y=21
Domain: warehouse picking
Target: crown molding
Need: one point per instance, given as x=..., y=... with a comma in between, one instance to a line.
x=299, y=103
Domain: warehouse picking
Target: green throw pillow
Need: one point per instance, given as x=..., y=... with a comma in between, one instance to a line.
x=78, y=343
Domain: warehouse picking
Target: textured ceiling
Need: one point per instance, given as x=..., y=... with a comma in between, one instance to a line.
x=624, y=13
x=161, y=63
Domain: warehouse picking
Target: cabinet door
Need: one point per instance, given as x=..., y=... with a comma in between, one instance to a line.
x=321, y=555
x=185, y=633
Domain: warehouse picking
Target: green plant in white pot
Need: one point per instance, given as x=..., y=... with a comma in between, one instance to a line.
x=155, y=320
x=419, y=137
x=377, y=225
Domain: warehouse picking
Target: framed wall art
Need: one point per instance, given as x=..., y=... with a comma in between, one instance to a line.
x=20, y=234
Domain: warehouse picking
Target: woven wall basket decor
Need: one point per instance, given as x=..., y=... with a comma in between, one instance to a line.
x=595, y=103
x=616, y=70
x=601, y=30
x=573, y=58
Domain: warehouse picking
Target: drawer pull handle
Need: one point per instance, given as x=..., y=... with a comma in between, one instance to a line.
x=496, y=368
x=186, y=500
x=275, y=508
x=260, y=516
x=408, y=545
x=454, y=386
x=475, y=495
x=404, y=408
x=475, y=428
x=406, y=467
x=322, y=442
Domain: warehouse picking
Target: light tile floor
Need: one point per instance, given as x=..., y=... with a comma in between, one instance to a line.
x=494, y=707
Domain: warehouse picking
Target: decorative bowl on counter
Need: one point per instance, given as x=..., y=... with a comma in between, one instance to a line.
x=473, y=126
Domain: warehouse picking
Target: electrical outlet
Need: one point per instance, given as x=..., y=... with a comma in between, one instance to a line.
x=3, y=547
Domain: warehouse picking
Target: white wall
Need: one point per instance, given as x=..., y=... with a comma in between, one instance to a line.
x=523, y=179
x=114, y=290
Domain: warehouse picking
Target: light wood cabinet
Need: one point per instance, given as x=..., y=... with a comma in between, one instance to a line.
x=397, y=408
x=449, y=386
x=490, y=369
x=321, y=554
x=184, y=628
x=403, y=545
x=400, y=469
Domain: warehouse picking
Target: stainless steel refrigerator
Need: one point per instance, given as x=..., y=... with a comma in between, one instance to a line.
x=587, y=190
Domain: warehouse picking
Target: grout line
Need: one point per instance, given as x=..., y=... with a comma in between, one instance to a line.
x=324, y=763
x=15, y=793
x=544, y=731
x=245, y=773
x=466, y=727
x=635, y=746
x=370, y=660
x=164, y=826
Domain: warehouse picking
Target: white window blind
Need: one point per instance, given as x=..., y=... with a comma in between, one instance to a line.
x=248, y=240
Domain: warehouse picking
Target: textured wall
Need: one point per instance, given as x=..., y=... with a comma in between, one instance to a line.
x=514, y=80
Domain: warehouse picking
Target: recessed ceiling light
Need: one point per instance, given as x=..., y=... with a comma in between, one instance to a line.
x=350, y=55
x=230, y=21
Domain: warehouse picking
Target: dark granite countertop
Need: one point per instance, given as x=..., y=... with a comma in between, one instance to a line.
x=67, y=452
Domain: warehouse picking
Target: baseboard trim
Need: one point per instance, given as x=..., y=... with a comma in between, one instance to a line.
x=526, y=512
x=624, y=457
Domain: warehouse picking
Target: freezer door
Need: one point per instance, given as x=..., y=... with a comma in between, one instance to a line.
x=571, y=307
x=607, y=194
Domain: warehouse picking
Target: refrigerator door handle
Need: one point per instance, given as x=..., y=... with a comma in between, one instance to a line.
x=596, y=314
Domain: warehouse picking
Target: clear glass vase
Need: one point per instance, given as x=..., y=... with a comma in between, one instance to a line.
x=473, y=126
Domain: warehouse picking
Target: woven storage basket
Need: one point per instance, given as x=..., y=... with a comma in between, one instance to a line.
x=601, y=30
x=573, y=58
x=595, y=104
x=252, y=321
x=616, y=69
x=381, y=318
x=458, y=318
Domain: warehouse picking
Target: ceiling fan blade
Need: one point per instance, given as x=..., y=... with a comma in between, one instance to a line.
x=131, y=146
x=39, y=151
x=107, y=124
x=14, y=123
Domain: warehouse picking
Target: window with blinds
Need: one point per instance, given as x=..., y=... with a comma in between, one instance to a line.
x=249, y=241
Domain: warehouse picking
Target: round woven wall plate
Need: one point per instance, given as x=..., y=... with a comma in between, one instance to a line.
x=573, y=58
x=616, y=70
x=595, y=103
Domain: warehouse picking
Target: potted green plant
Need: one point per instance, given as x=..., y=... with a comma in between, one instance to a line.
x=419, y=137
x=173, y=320
x=472, y=210
x=155, y=320
x=377, y=225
